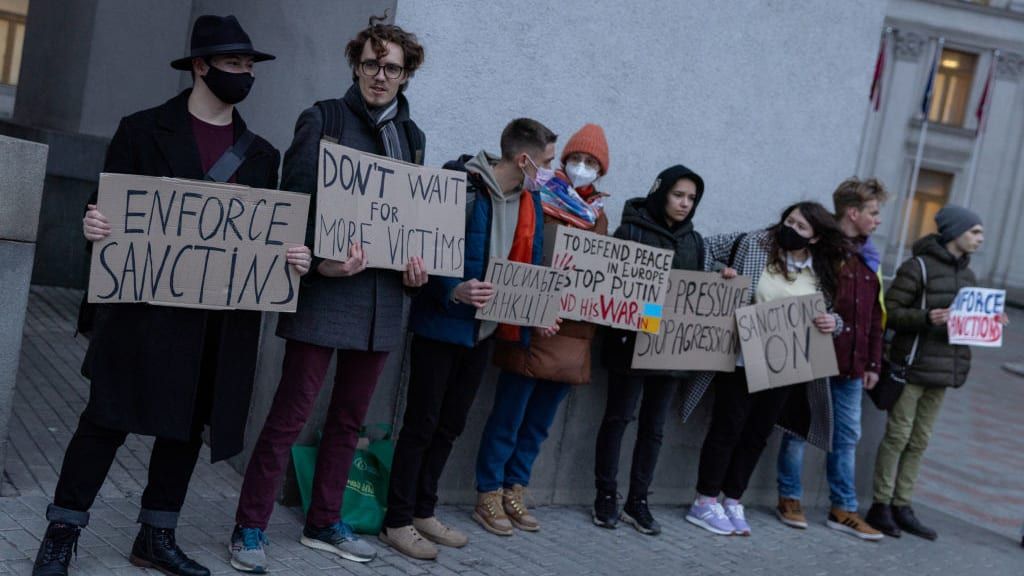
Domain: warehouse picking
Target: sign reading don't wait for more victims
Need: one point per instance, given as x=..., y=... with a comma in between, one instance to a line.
x=394, y=210
x=197, y=244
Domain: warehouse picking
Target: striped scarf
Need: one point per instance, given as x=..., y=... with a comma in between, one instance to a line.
x=384, y=119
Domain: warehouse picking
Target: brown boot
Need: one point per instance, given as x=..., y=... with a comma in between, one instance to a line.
x=408, y=541
x=851, y=523
x=513, y=500
x=432, y=529
x=791, y=513
x=490, y=514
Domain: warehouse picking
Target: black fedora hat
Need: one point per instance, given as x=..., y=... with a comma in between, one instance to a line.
x=213, y=35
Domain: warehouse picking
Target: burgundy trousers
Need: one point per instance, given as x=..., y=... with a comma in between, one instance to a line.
x=302, y=376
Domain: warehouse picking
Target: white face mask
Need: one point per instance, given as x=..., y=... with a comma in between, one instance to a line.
x=580, y=174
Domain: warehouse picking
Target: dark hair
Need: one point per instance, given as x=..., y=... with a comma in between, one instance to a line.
x=524, y=133
x=828, y=253
x=855, y=193
x=379, y=35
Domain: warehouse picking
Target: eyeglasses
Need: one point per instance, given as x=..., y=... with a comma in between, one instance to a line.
x=370, y=68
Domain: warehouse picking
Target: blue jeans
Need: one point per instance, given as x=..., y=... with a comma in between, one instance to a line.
x=523, y=411
x=841, y=461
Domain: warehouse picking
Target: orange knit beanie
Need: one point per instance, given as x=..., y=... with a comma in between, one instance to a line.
x=590, y=140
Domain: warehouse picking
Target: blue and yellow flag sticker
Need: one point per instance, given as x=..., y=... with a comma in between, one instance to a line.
x=650, y=319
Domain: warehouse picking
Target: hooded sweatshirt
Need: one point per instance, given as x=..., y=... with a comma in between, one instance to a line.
x=505, y=205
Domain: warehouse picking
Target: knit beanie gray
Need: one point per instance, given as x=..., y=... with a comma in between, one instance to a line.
x=954, y=220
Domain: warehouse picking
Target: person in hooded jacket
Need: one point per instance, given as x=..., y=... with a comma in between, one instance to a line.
x=798, y=256
x=664, y=218
x=536, y=378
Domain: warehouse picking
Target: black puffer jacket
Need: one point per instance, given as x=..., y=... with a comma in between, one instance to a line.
x=640, y=224
x=937, y=363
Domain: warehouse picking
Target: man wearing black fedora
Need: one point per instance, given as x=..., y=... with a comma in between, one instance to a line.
x=163, y=371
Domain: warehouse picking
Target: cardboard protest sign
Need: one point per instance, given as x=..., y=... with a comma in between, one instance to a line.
x=610, y=281
x=525, y=295
x=394, y=210
x=975, y=318
x=781, y=345
x=698, y=327
x=197, y=244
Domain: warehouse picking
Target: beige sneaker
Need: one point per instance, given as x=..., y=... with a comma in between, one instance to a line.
x=408, y=541
x=490, y=514
x=851, y=523
x=791, y=513
x=513, y=500
x=432, y=529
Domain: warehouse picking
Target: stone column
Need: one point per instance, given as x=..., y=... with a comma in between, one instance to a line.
x=22, y=168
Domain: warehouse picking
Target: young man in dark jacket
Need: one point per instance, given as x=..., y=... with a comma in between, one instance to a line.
x=945, y=259
x=158, y=370
x=343, y=307
x=450, y=348
x=859, y=356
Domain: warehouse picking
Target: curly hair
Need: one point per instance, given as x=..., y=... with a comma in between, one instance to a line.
x=828, y=253
x=380, y=35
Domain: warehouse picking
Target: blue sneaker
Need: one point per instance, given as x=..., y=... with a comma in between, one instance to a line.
x=711, y=517
x=338, y=539
x=734, y=512
x=247, y=550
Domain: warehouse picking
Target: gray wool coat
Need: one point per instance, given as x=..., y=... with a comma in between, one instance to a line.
x=361, y=312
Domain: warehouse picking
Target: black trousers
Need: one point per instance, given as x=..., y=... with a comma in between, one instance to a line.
x=740, y=426
x=624, y=393
x=91, y=452
x=443, y=382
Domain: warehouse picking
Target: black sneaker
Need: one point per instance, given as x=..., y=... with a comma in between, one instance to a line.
x=606, y=510
x=60, y=542
x=880, y=518
x=905, y=519
x=638, y=515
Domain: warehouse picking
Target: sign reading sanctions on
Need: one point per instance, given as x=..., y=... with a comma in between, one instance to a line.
x=610, y=281
x=975, y=318
x=781, y=345
x=197, y=244
x=524, y=294
x=395, y=210
x=699, y=324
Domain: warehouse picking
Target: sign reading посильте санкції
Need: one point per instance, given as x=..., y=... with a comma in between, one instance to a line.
x=197, y=244
x=524, y=294
x=394, y=210
x=609, y=281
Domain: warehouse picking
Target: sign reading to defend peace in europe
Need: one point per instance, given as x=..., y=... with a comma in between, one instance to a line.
x=197, y=244
x=394, y=210
x=610, y=281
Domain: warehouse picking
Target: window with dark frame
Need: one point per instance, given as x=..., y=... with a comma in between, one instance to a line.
x=953, y=82
x=933, y=190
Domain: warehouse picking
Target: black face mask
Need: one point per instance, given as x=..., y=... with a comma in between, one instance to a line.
x=228, y=87
x=789, y=239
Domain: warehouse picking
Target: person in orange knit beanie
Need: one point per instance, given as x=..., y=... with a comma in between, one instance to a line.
x=535, y=379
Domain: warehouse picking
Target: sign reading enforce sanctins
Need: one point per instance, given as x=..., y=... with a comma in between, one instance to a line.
x=394, y=210
x=524, y=294
x=197, y=244
x=975, y=318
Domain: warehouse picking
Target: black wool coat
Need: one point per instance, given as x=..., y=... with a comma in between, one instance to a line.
x=144, y=361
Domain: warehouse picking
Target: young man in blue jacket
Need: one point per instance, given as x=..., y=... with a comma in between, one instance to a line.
x=450, y=348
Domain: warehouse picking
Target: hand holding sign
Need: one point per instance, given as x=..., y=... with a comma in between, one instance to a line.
x=415, y=274
x=300, y=258
x=474, y=292
x=355, y=264
x=938, y=316
x=825, y=323
x=95, y=225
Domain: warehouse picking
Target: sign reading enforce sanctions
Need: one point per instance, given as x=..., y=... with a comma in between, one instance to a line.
x=197, y=244
x=975, y=318
x=394, y=210
x=610, y=281
x=524, y=294
x=781, y=345
x=699, y=324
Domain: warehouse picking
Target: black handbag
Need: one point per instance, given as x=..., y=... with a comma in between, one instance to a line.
x=893, y=377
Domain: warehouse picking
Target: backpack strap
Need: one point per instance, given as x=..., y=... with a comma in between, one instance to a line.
x=229, y=162
x=334, y=119
x=924, y=306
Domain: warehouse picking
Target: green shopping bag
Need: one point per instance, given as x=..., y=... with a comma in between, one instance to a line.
x=366, y=493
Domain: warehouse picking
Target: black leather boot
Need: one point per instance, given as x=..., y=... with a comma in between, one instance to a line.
x=880, y=518
x=56, y=549
x=155, y=548
x=905, y=519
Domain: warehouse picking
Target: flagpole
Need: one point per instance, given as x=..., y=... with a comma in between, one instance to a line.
x=920, y=154
x=870, y=110
x=971, y=170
